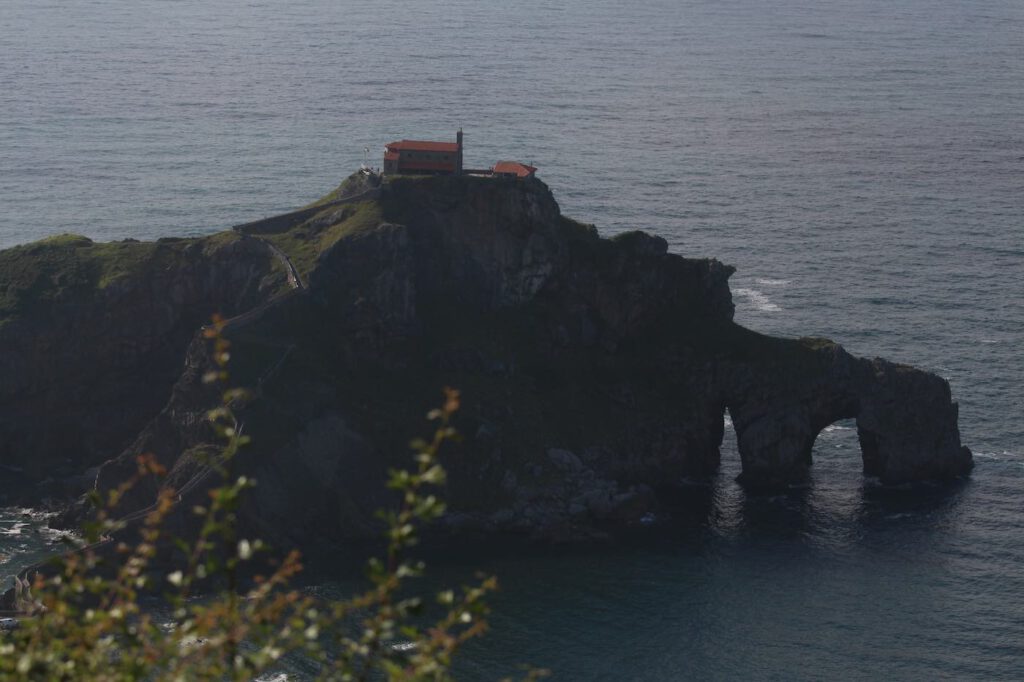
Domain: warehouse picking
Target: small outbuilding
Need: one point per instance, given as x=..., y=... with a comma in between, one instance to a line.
x=512, y=169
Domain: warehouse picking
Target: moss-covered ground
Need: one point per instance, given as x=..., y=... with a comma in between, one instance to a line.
x=304, y=243
x=355, y=184
x=68, y=267
x=63, y=267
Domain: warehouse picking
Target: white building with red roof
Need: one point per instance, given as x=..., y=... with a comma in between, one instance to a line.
x=426, y=157
x=421, y=156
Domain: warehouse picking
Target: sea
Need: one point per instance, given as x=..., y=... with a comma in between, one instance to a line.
x=861, y=164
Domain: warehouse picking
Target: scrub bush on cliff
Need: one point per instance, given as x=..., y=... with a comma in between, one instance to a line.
x=93, y=613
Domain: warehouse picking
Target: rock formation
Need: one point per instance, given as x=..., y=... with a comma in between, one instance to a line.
x=92, y=337
x=595, y=372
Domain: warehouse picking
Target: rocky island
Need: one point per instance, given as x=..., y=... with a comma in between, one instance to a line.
x=594, y=372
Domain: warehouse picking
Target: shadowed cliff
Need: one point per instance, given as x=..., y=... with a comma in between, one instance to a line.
x=595, y=372
x=92, y=337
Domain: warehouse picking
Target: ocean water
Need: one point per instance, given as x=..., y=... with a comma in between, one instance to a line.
x=860, y=162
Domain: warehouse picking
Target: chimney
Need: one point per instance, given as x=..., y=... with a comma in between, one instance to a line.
x=458, y=160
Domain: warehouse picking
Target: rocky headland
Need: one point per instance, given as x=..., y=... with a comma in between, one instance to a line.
x=594, y=372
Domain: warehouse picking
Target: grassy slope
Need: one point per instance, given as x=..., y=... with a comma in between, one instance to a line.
x=304, y=243
x=68, y=268
x=350, y=186
x=63, y=268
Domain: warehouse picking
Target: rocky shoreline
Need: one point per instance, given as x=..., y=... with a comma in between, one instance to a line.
x=595, y=372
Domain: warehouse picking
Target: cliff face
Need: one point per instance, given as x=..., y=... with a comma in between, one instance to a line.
x=93, y=336
x=594, y=372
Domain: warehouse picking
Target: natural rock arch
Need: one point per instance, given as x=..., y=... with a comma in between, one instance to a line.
x=906, y=421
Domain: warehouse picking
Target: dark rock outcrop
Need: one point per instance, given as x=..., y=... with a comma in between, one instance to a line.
x=595, y=372
x=93, y=337
x=906, y=420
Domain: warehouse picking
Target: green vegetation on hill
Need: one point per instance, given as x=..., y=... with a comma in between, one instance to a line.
x=63, y=267
x=67, y=268
x=304, y=243
x=353, y=185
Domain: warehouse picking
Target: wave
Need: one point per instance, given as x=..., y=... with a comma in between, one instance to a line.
x=757, y=298
x=996, y=456
x=764, y=281
x=15, y=528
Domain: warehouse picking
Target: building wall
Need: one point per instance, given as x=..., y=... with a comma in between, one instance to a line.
x=431, y=162
x=413, y=161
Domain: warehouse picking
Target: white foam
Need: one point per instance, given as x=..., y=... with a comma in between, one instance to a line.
x=764, y=281
x=25, y=512
x=836, y=427
x=996, y=456
x=15, y=529
x=403, y=646
x=758, y=300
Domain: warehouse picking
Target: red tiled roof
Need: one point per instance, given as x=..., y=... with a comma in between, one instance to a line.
x=520, y=169
x=423, y=146
x=390, y=155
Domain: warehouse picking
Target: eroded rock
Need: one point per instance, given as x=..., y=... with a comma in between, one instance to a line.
x=594, y=372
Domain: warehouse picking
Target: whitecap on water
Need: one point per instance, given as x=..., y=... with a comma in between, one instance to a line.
x=764, y=281
x=24, y=513
x=14, y=529
x=997, y=456
x=758, y=300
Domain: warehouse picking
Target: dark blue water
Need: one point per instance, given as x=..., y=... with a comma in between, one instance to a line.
x=861, y=163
